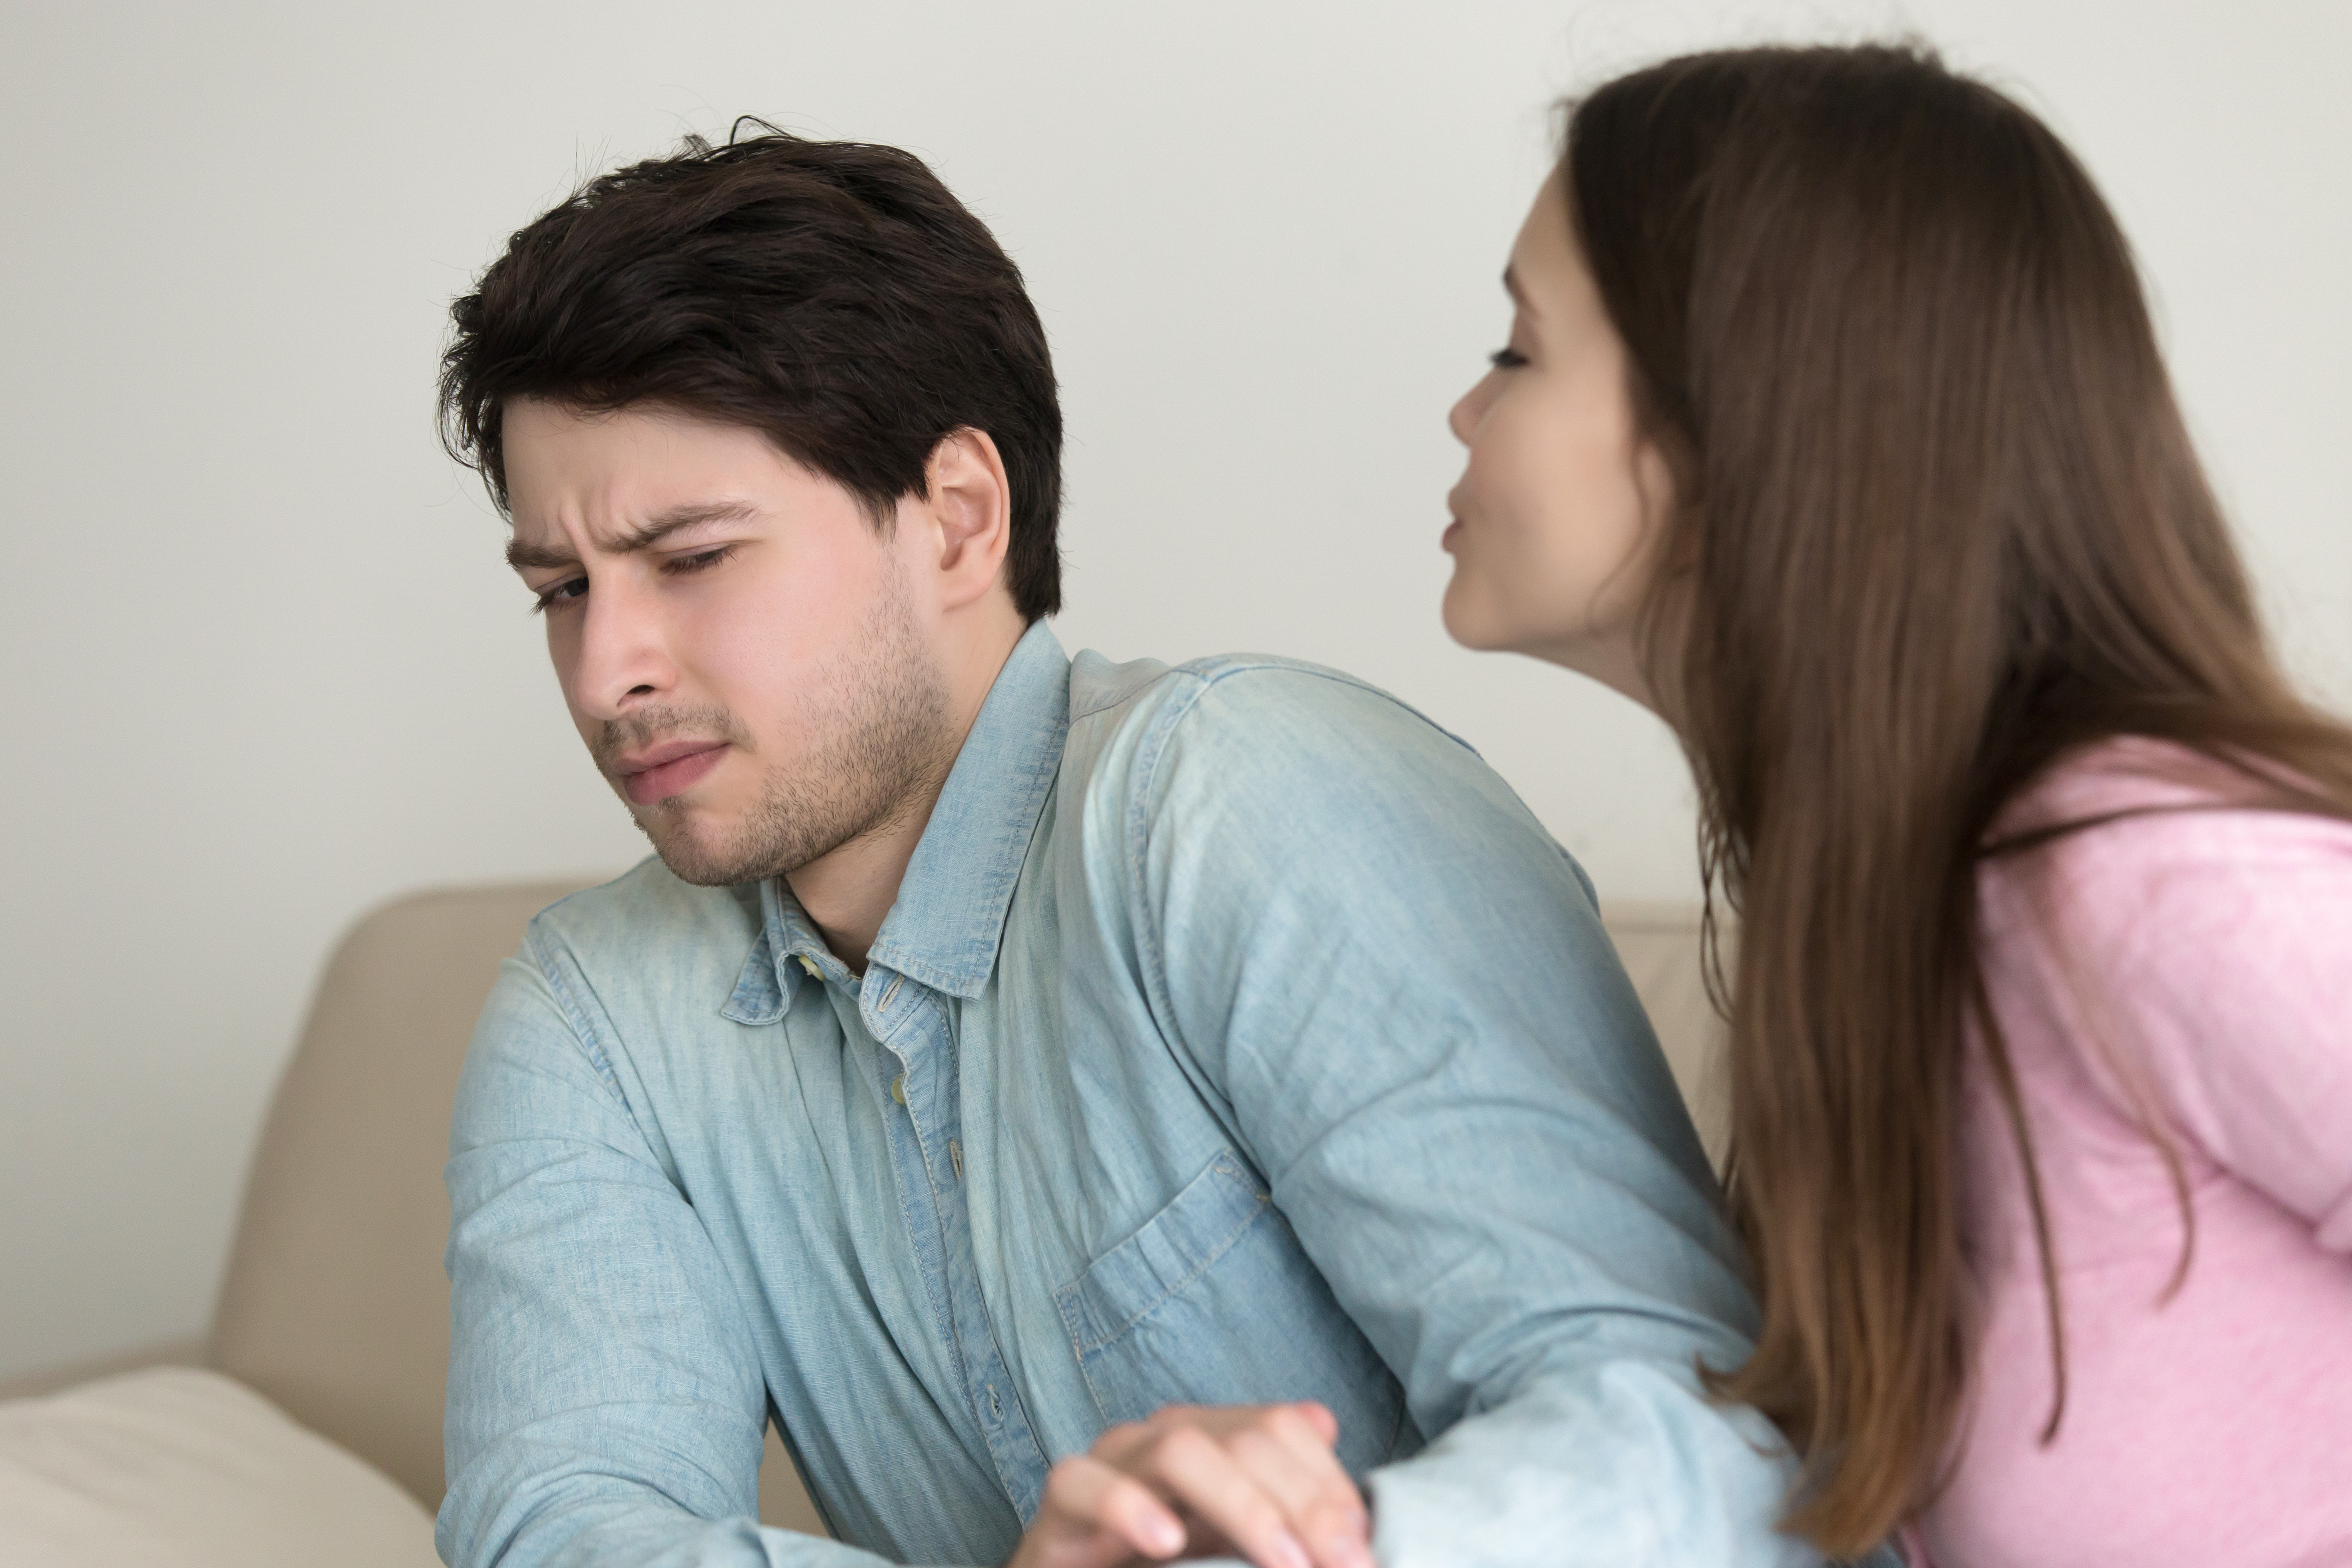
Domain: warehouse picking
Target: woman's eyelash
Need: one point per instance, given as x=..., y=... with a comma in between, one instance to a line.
x=1507, y=359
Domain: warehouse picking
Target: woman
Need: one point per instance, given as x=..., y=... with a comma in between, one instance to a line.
x=1833, y=427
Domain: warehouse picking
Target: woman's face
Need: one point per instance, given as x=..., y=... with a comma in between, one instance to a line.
x=1560, y=506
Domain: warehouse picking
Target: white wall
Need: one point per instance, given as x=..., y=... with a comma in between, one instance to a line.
x=266, y=670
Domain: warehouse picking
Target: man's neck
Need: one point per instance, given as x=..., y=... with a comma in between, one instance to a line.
x=848, y=892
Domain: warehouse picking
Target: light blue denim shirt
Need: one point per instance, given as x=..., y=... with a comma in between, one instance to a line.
x=1237, y=1036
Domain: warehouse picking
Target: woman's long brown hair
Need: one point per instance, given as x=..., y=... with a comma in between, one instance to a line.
x=1937, y=522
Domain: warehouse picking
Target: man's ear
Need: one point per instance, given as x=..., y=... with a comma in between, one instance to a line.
x=969, y=505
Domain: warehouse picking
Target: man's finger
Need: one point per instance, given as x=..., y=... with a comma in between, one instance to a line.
x=1194, y=1470
x=1288, y=1457
x=1319, y=1418
x=1084, y=1493
x=1284, y=1450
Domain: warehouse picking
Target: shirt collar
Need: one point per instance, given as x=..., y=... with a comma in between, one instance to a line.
x=944, y=928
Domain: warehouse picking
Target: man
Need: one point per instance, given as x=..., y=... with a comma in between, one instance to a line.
x=1098, y=1112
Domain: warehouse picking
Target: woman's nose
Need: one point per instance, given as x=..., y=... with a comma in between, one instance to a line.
x=1466, y=413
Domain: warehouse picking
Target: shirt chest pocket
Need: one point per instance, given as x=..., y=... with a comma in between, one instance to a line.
x=1213, y=1301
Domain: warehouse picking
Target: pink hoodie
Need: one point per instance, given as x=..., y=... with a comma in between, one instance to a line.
x=2190, y=971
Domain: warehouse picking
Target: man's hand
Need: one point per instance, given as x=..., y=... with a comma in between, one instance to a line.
x=1258, y=1482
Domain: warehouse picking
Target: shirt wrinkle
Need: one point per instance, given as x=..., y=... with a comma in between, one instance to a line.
x=878, y=1206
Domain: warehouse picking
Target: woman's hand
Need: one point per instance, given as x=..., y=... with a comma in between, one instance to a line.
x=1259, y=1481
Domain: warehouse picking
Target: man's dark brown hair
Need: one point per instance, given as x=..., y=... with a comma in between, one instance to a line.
x=832, y=295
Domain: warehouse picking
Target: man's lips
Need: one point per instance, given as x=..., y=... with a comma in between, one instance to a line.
x=671, y=768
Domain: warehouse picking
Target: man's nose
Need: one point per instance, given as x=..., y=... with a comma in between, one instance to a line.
x=622, y=660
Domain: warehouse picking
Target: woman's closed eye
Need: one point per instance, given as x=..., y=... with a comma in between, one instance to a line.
x=1506, y=358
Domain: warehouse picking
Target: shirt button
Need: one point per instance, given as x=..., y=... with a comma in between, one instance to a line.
x=810, y=965
x=898, y=1088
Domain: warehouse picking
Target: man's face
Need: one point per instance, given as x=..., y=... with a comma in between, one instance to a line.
x=738, y=644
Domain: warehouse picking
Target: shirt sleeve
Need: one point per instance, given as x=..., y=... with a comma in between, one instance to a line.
x=1403, y=988
x=2220, y=944
x=605, y=1403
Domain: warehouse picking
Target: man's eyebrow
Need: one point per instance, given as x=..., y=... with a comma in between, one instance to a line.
x=645, y=536
x=540, y=557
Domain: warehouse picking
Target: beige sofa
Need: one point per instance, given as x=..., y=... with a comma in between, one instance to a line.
x=335, y=1310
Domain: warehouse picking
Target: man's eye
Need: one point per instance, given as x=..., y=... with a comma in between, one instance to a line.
x=1507, y=359
x=700, y=561
x=557, y=594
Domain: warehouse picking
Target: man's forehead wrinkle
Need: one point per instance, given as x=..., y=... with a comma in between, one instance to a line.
x=544, y=531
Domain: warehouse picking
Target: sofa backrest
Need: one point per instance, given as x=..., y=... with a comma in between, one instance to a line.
x=335, y=1305
x=1660, y=946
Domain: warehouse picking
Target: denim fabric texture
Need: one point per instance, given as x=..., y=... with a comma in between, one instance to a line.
x=1236, y=1035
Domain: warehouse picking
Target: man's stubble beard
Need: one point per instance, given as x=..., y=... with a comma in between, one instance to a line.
x=880, y=713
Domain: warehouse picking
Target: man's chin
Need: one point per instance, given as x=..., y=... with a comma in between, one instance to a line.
x=707, y=873
x=693, y=859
